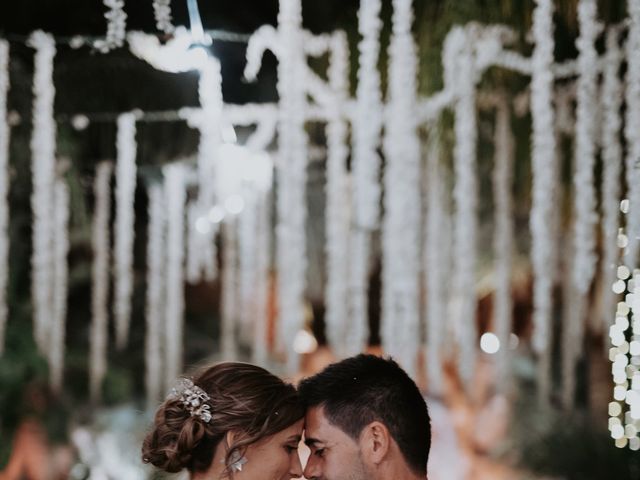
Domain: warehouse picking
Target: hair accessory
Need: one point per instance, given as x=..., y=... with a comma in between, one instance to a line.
x=193, y=398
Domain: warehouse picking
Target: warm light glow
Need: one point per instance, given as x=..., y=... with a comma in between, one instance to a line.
x=304, y=342
x=489, y=343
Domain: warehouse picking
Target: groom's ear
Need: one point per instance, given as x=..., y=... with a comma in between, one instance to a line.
x=375, y=441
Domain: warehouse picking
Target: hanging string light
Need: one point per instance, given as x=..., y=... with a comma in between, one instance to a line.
x=365, y=173
x=174, y=197
x=229, y=289
x=611, y=99
x=401, y=223
x=5, y=132
x=155, y=301
x=56, y=333
x=116, y=26
x=542, y=156
x=43, y=146
x=98, y=336
x=124, y=224
x=337, y=193
x=260, y=301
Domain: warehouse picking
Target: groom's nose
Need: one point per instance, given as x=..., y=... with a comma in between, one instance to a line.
x=312, y=469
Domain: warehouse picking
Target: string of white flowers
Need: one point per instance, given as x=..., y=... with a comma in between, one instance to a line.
x=60, y=284
x=43, y=146
x=365, y=174
x=584, y=193
x=632, y=132
x=230, y=298
x=174, y=197
x=116, y=26
x=461, y=74
x=263, y=234
x=124, y=224
x=337, y=215
x=195, y=223
x=162, y=13
x=292, y=146
x=247, y=222
x=436, y=263
x=155, y=298
x=401, y=224
x=611, y=99
x=503, y=236
x=5, y=132
x=542, y=157
x=98, y=336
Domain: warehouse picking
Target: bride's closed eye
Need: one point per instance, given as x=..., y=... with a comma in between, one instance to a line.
x=291, y=448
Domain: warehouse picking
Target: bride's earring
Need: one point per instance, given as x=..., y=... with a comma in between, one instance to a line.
x=237, y=461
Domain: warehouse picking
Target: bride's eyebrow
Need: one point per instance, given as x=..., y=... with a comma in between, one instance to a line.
x=294, y=438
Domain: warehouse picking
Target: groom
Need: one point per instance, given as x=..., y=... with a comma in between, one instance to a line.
x=366, y=420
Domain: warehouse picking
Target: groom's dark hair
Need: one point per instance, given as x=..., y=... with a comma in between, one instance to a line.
x=359, y=390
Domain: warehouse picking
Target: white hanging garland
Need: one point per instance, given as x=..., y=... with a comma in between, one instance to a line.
x=365, y=174
x=463, y=301
x=632, y=132
x=611, y=98
x=162, y=13
x=56, y=334
x=583, y=267
x=124, y=224
x=503, y=236
x=155, y=298
x=43, y=146
x=116, y=26
x=175, y=196
x=291, y=203
x=229, y=289
x=401, y=224
x=542, y=158
x=436, y=265
x=337, y=194
x=5, y=132
x=98, y=337
x=263, y=246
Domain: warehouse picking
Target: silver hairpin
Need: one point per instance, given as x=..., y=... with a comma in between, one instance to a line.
x=193, y=398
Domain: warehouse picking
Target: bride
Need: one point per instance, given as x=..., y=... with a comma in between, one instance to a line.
x=233, y=420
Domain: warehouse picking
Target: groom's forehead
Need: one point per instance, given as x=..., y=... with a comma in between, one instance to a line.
x=318, y=428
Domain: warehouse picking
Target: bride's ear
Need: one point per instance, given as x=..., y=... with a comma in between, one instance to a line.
x=229, y=437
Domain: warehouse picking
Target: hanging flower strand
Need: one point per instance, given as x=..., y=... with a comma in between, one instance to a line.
x=4, y=187
x=116, y=26
x=43, y=147
x=162, y=13
x=124, y=224
x=542, y=155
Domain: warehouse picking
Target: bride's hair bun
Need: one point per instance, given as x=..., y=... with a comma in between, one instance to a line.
x=238, y=397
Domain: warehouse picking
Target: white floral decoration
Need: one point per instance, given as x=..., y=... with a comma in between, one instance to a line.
x=337, y=216
x=230, y=297
x=632, y=132
x=124, y=224
x=5, y=132
x=401, y=223
x=116, y=26
x=544, y=198
x=503, y=237
x=365, y=181
x=463, y=297
x=98, y=335
x=43, y=147
x=611, y=99
x=155, y=298
x=162, y=13
x=261, y=291
x=56, y=334
x=584, y=262
x=175, y=196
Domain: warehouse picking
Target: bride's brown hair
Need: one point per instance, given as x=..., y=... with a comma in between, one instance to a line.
x=244, y=398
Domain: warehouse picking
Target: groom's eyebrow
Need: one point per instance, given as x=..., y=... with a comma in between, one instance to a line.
x=310, y=442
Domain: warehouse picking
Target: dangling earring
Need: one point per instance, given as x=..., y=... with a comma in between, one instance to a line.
x=237, y=461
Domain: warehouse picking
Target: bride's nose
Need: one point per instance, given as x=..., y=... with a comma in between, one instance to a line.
x=295, y=467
